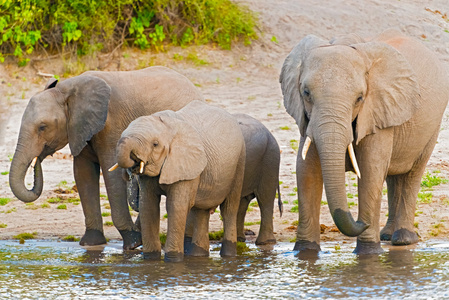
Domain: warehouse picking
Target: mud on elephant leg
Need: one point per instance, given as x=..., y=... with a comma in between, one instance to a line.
x=200, y=238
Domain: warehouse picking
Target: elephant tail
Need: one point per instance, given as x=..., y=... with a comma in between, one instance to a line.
x=280, y=204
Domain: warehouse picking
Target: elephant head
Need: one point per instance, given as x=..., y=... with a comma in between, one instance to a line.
x=162, y=145
x=68, y=112
x=339, y=92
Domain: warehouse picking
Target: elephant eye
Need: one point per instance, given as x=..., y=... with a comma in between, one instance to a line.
x=359, y=99
x=42, y=127
x=306, y=94
x=155, y=143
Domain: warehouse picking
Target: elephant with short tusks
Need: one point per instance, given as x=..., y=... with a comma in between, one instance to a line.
x=89, y=112
x=196, y=158
x=261, y=180
x=377, y=104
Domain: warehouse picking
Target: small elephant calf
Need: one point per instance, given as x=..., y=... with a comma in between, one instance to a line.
x=261, y=180
x=196, y=158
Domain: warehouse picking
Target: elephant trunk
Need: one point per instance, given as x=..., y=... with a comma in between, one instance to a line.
x=123, y=153
x=332, y=152
x=19, y=167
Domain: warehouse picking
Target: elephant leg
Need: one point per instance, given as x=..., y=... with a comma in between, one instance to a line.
x=189, y=231
x=310, y=191
x=149, y=213
x=394, y=186
x=374, y=159
x=87, y=176
x=406, y=188
x=265, y=197
x=243, y=207
x=117, y=193
x=200, y=239
x=180, y=198
x=229, y=209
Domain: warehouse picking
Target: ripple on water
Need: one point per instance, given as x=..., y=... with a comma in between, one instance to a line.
x=65, y=270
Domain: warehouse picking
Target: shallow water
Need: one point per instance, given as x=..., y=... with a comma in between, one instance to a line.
x=65, y=270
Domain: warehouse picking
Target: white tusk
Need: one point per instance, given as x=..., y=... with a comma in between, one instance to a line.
x=33, y=163
x=354, y=160
x=113, y=167
x=305, y=148
x=142, y=164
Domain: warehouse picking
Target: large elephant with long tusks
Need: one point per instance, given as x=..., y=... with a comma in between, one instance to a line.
x=89, y=112
x=377, y=104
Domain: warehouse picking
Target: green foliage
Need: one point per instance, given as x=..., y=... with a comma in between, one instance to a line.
x=163, y=238
x=4, y=173
x=62, y=206
x=86, y=26
x=105, y=214
x=216, y=235
x=242, y=248
x=3, y=225
x=425, y=197
x=70, y=238
x=25, y=236
x=108, y=223
x=4, y=201
x=294, y=209
x=429, y=181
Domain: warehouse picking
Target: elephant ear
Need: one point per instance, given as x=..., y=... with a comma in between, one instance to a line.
x=393, y=94
x=290, y=77
x=87, y=103
x=51, y=83
x=186, y=159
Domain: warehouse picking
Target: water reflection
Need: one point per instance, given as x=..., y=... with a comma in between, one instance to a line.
x=65, y=270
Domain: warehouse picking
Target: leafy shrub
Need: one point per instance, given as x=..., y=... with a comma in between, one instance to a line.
x=85, y=26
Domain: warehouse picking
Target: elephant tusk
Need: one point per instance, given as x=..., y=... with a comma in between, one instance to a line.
x=113, y=167
x=305, y=148
x=33, y=163
x=142, y=164
x=354, y=160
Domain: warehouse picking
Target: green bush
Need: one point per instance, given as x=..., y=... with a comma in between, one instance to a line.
x=86, y=26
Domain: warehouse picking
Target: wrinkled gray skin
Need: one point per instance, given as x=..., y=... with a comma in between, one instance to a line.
x=196, y=158
x=261, y=180
x=386, y=97
x=89, y=112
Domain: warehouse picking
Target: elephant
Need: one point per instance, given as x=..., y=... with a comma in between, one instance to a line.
x=373, y=107
x=261, y=180
x=89, y=112
x=196, y=158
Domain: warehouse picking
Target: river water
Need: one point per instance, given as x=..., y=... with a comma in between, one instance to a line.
x=64, y=270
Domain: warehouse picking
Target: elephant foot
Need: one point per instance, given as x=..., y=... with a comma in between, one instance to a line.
x=385, y=236
x=187, y=244
x=386, y=232
x=196, y=250
x=92, y=237
x=307, y=249
x=302, y=245
x=368, y=248
x=265, y=240
x=174, y=256
x=155, y=255
x=228, y=249
x=131, y=239
x=404, y=237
